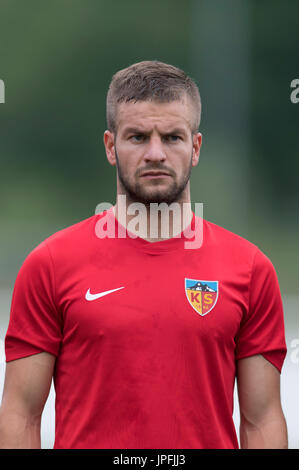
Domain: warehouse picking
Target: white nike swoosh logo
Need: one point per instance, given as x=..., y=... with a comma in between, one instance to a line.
x=89, y=296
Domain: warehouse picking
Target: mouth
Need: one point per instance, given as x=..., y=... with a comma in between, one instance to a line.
x=151, y=174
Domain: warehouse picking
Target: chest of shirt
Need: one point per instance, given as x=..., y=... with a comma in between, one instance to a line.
x=155, y=298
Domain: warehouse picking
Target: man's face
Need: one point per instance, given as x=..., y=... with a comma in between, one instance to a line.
x=154, y=150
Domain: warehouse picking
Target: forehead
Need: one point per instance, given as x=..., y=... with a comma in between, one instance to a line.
x=149, y=114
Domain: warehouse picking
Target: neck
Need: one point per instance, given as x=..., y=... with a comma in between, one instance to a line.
x=154, y=221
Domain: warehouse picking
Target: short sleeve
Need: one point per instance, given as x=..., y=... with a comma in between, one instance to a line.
x=34, y=324
x=262, y=329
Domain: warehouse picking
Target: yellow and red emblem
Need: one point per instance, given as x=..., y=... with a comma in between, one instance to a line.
x=202, y=295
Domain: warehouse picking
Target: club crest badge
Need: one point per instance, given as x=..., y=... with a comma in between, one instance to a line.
x=202, y=295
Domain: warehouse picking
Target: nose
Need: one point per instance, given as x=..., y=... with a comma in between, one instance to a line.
x=154, y=150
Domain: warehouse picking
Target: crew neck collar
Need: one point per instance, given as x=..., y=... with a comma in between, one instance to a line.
x=178, y=242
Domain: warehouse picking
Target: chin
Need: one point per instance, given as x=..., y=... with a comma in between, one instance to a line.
x=157, y=198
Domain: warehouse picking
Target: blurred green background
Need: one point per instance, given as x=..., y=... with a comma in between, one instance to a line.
x=57, y=58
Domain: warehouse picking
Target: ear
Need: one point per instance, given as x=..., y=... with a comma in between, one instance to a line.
x=197, y=141
x=109, y=147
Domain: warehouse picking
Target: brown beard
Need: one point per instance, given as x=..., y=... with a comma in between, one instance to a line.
x=136, y=193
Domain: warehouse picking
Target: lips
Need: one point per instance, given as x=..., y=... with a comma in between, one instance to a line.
x=154, y=174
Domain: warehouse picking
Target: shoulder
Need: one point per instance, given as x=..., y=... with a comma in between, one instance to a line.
x=220, y=235
x=67, y=241
x=233, y=246
x=79, y=230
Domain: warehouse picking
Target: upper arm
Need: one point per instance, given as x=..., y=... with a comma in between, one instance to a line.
x=258, y=384
x=27, y=384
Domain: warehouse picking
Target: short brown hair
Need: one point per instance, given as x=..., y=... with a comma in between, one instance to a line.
x=151, y=80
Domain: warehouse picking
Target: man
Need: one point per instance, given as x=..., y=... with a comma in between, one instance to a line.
x=144, y=337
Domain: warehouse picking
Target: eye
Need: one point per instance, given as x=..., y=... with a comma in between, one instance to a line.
x=137, y=137
x=172, y=138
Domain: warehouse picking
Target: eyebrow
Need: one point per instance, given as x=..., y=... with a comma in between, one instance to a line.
x=139, y=130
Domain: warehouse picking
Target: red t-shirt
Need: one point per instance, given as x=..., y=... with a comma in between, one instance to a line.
x=151, y=364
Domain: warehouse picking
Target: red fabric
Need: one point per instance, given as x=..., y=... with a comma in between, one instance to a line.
x=139, y=367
